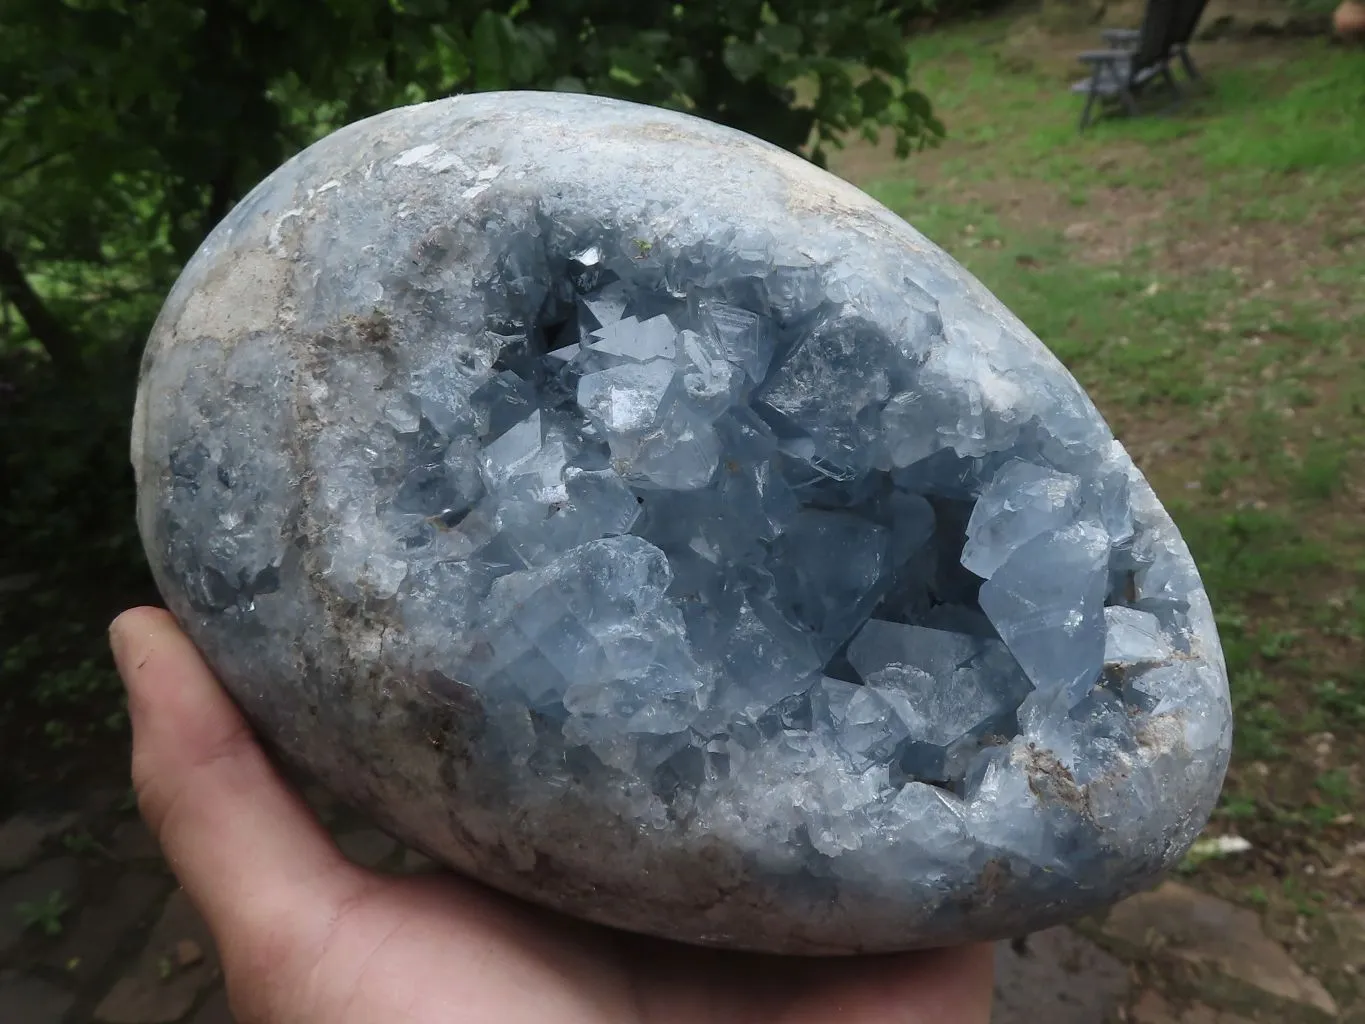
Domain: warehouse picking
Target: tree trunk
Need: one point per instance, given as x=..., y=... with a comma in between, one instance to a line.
x=61, y=345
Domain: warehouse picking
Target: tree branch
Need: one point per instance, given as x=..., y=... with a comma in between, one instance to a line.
x=61, y=345
x=33, y=163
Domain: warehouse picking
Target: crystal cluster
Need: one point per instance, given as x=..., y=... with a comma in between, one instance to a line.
x=652, y=526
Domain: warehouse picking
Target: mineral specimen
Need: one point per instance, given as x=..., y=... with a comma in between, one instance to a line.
x=647, y=523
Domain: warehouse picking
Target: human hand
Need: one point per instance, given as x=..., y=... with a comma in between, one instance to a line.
x=308, y=938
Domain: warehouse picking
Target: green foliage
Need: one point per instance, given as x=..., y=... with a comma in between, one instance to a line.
x=1320, y=474
x=66, y=502
x=1318, y=7
x=44, y=915
x=130, y=128
x=82, y=844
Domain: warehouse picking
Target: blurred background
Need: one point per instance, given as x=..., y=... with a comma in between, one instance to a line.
x=1196, y=261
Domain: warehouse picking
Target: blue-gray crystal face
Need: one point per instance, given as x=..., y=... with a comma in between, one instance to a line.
x=648, y=524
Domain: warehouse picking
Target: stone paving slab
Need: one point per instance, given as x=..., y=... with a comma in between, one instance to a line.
x=1154, y=1008
x=133, y=841
x=23, y=836
x=176, y=967
x=23, y=897
x=1217, y=951
x=102, y=926
x=214, y=1011
x=28, y=1000
x=1057, y=977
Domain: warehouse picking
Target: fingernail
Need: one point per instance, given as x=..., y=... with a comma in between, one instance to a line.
x=119, y=639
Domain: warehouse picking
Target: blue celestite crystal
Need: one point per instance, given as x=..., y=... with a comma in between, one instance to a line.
x=634, y=517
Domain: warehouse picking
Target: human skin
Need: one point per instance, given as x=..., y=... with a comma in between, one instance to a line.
x=306, y=937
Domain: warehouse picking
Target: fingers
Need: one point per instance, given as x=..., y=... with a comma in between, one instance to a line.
x=939, y=986
x=954, y=985
x=247, y=850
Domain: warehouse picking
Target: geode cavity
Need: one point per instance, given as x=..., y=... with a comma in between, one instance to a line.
x=647, y=523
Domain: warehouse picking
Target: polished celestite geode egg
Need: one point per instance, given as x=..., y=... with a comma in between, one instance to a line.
x=643, y=521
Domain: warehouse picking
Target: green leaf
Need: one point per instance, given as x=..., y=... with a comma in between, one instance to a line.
x=875, y=95
x=450, y=58
x=888, y=55
x=490, y=66
x=783, y=38
x=743, y=59
x=918, y=104
x=637, y=62
x=527, y=48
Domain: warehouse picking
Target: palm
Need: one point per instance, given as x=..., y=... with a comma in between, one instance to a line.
x=308, y=938
x=438, y=950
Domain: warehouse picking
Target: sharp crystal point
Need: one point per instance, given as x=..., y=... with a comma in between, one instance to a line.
x=1134, y=637
x=640, y=341
x=1021, y=502
x=626, y=399
x=1047, y=603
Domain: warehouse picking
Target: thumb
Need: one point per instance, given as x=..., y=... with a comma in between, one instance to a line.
x=247, y=850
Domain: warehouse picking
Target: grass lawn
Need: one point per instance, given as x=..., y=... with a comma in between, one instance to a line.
x=1200, y=272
